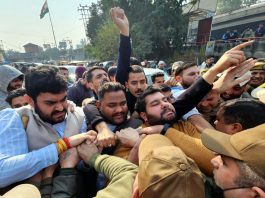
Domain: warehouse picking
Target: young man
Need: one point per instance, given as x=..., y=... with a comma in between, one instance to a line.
x=16, y=98
x=164, y=170
x=257, y=75
x=10, y=79
x=239, y=164
x=79, y=91
x=209, y=61
x=114, y=112
x=33, y=130
x=158, y=78
x=186, y=74
x=234, y=116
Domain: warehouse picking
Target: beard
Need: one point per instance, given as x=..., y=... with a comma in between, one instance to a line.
x=161, y=119
x=49, y=118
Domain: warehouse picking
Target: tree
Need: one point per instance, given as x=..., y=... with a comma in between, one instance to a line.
x=106, y=43
x=158, y=28
x=94, y=22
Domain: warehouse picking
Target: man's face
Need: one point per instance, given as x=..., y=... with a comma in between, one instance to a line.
x=159, y=80
x=18, y=102
x=64, y=72
x=99, y=78
x=161, y=65
x=234, y=92
x=220, y=124
x=189, y=76
x=169, y=96
x=226, y=171
x=158, y=110
x=208, y=103
x=210, y=61
x=51, y=108
x=114, y=107
x=136, y=83
x=257, y=78
x=15, y=84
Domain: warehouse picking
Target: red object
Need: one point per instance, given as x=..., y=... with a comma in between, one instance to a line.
x=67, y=143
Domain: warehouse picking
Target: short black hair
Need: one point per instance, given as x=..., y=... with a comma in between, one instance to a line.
x=134, y=61
x=89, y=74
x=209, y=56
x=15, y=93
x=140, y=105
x=135, y=69
x=112, y=70
x=43, y=80
x=183, y=67
x=109, y=87
x=248, y=112
x=164, y=88
x=158, y=74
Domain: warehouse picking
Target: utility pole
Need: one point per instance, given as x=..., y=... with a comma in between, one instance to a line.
x=84, y=11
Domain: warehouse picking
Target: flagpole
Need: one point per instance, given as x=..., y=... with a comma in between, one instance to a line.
x=53, y=30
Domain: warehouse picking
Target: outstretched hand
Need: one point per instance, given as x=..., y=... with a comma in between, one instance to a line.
x=120, y=20
x=232, y=57
x=234, y=76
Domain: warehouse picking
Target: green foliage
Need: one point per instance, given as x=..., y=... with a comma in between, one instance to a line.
x=94, y=22
x=106, y=43
x=158, y=28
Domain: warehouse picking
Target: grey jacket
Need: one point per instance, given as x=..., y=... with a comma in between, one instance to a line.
x=7, y=74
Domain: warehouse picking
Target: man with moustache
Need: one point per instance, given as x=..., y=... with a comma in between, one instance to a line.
x=257, y=75
x=112, y=105
x=29, y=134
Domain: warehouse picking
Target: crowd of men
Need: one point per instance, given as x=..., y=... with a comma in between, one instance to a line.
x=247, y=33
x=110, y=134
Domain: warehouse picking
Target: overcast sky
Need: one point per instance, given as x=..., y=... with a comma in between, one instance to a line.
x=20, y=22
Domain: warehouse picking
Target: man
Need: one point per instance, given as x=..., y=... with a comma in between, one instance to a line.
x=233, y=116
x=209, y=61
x=238, y=91
x=65, y=72
x=114, y=112
x=79, y=71
x=158, y=113
x=112, y=73
x=260, y=32
x=186, y=74
x=96, y=76
x=209, y=106
x=10, y=79
x=135, y=85
x=239, y=164
x=16, y=98
x=158, y=78
x=33, y=130
x=257, y=75
x=79, y=91
x=164, y=170
x=154, y=109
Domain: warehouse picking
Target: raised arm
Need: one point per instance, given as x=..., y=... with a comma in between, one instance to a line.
x=120, y=20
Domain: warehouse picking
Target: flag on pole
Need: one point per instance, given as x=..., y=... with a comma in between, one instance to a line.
x=44, y=10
